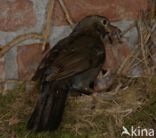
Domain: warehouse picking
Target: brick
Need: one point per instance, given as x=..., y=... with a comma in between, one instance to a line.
x=11, y=64
x=115, y=56
x=113, y=9
x=16, y=14
x=28, y=58
x=59, y=33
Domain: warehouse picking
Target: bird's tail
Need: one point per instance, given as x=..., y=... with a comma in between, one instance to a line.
x=48, y=112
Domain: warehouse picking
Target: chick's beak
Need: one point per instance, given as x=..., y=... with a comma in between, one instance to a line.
x=113, y=33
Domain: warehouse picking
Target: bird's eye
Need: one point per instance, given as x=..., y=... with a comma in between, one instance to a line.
x=104, y=22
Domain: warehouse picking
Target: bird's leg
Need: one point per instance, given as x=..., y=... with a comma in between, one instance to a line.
x=86, y=91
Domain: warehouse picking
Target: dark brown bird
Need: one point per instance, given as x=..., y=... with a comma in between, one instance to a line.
x=72, y=64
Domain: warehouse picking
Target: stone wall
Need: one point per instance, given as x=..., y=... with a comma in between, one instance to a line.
x=24, y=16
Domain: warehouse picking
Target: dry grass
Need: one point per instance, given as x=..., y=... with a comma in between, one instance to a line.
x=101, y=115
x=104, y=114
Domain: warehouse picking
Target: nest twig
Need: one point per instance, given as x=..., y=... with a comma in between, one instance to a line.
x=46, y=31
x=65, y=10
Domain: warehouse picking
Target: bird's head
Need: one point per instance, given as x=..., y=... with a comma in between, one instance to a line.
x=97, y=26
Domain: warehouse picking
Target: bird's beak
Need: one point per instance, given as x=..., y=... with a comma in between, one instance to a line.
x=113, y=33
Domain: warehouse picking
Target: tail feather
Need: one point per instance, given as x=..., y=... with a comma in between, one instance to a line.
x=48, y=112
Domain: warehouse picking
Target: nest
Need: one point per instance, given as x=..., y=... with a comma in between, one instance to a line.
x=105, y=113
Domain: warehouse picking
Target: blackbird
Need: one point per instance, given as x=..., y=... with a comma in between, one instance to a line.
x=73, y=64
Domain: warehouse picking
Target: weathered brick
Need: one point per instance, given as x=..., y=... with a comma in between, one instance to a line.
x=28, y=58
x=115, y=56
x=11, y=64
x=16, y=14
x=113, y=9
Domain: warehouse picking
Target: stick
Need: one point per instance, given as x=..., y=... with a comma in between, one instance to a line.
x=18, y=40
x=47, y=27
x=66, y=13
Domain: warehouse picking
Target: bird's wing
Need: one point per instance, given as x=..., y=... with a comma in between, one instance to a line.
x=68, y=66
x=72, y=59
x=48, y=59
